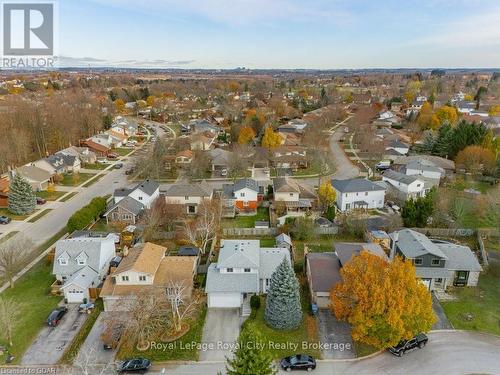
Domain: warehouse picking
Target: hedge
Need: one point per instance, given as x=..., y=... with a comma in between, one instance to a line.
x=86, y=215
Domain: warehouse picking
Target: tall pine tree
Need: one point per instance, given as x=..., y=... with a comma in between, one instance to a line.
x=22, y=200
x=283, y=309
x=248, y=358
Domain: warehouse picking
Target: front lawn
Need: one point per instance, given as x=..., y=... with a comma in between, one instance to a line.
x=75, y=179
x=183, y=349
x=247, y=221
x=5, y=212
x=477, y=309
x=97, y=166
x=50, y=195
x=69, y=196
x=39, y=215
x=122, y=151
x=32, y=292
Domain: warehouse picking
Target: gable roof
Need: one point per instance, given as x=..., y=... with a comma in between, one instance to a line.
x=347, y=250
x=403, y=178
x=290, y=185
x=414, y=244
x=144, y=258
x=270, y=259
x=239, y=254
x=96, y=146
x=148, y=186
x=324, y=271
x=201, y=189
x=242, y=282
x=246, y=183
x=356, y=185
x=33, y=173
x=283, y=237
x=460, y=258
x=129, y=204
x=82, y=278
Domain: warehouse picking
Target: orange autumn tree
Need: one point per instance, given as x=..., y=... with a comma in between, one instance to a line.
x=475, y=159
x=447, y=114
x=427, y=119
x=384, y=302
x=246, y=135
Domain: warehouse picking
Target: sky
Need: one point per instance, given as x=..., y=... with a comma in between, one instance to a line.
x=280, y=34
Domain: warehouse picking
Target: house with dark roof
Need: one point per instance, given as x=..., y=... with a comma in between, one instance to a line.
x=404, y=186
x=126, y=210
x=439, y=264
x=38, y=178
x=358, y=193
x=190, y=195
x=144, y=192
x=241, y=197
x=297, y=197
x=399, y=147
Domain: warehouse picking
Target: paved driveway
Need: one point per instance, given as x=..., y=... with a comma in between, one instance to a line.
x=345, y=169
x=442, y=320
x=49, y=346
x=335, y=336
x=93, y=344
x=220, y=333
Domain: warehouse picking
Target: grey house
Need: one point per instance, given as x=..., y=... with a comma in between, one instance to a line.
x=126, y=210
x=438, y=263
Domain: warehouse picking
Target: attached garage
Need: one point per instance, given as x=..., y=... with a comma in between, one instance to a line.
x=224, y=300
x=75, y=294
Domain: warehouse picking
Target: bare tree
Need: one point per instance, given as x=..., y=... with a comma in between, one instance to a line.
x=202, y=230
x=85, y=364
x=10, y=311
x=14, y=254
x=182, y=305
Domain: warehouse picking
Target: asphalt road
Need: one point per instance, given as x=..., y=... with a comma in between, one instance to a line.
x=448, y=353
x=345, y=169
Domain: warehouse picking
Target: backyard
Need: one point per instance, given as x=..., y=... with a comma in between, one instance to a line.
x=247, y=221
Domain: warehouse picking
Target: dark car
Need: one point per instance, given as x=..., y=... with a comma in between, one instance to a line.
x=56, y=316
x=40, y=200
x=298, y=362
x=112, y=155
x=4, y=220
x=129, y=171
x=118, y=165
x=419, y=341
x=135, y=365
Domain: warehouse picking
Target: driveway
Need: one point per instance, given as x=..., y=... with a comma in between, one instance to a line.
x=345, y=169
x=220, y=333
x=442, y=320
x=335, y=336
x=51, y=342
x=93, y=344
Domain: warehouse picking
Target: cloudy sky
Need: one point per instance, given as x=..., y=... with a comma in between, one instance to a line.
x=325, y=34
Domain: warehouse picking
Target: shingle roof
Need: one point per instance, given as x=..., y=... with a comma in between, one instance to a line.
x=144, y=258
x=33, y=173
x=82, y=278
x=148, y=187
x=414, y=244
x=347, y=250
x=460, y=258
x=324, y=271
x=191, y=190
x=403, y=178
x=270, y=259
x=355, y=185
x=239, y=254
x=246, y=183
x=231, y=282
x=129, y=204
x=283, y=237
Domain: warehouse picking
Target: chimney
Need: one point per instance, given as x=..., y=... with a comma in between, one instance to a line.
x=395, y=237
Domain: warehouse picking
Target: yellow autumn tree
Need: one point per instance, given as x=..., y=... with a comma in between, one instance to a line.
x=271, y=138
x=120, y=105
x=447, y=114
x=383, y=301
x=246, y=135
x=150, y=100
x=427, y=119
x=326, y=194
x=475, y=159
x=494, y=110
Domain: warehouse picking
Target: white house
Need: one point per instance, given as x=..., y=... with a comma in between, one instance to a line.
x=405, y=186
x=82, y=263
x=426, y=169
x=358, y=193
x=243, y=269
x=145, y=193
x=189, y=195
x=398, y=146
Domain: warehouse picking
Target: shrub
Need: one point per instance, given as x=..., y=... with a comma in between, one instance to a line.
x=86, y=215
x=255, y=302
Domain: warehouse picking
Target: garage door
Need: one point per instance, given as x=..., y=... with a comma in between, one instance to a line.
x=75, y=296
x=224, y=300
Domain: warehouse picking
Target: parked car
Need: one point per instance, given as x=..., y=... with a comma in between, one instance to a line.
x=86, y=308
x=129, y=171
x=4, y=220
x=113, y=155
x=223, y=172
x=118, y=165
x=135, y=365
x=346, y=129
x=40, y=200
x=298, y=362
x=383, y=165
x=419, y=341
x=56, y=316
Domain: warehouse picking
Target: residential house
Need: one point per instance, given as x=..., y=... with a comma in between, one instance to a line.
x=97, y=148
x=82, y=153
x=191, y=195
x=241, y=197
x=144, y=192
x=4, y=191
x=38, y=178
x=297, y=197
x=145, y=269
x=398, y=146
x=439, y=264
x=184, y=158
x=425, y=169
x=82, y=263
x=405, y=187
x=243, y=268
x=220, y=159
x=126, y=210
x=202, y=141
x=290, y=157
x=358, y=193
x=124, y=126
x=448, y=166
x=387, y=118
x=465, y=106
x=104, y=140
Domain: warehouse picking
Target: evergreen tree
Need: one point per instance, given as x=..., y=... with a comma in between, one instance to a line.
x=22, y=199
x=248, y=358
x=283, y=309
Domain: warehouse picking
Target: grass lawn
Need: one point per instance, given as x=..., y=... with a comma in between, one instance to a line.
x=306, y=333
x=122, y=151
x=8, y=235
x=477, y=309
x=39, y=215
x=362, y=349
x=183, y=349
x=75, y=179
x=32, y=292
x=50, y=196
x=97, y=166
x=5, y=212
x=93, y=181
x=247, y=221
x=72, y=350
x=267, y=242
x=69, y=196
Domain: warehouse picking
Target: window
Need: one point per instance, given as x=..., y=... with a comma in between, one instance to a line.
x=435, y=262
x=366, y=193
x=247, y=269
x=229, y=270
x=142, y=278
x=246, y=203
x=126, y=217
x=417, y=261
x=140, y=198
x=186, y=198
x=124, y=278
x=267, y=282
x=191, y=209
x=63, y=261
x=439, y=280
x=81, y=261
x=418, y=185
x=242, y=195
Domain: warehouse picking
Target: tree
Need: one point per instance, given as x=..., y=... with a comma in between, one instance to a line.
x=182, y=305
x=14, y=254
x=447, y=114
x=303, y=228
x=494, y=110
x=283, y=308
x=10, y=311
x=384, y=302
x=326, y=195
x=246, y=135
x=426, y=118
x=271, y=138
x=120, y=105
x=476, y=159
x=150, y=100
x=202, y=230
x=22, y=199
x=416, y=212
x=249, y=359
